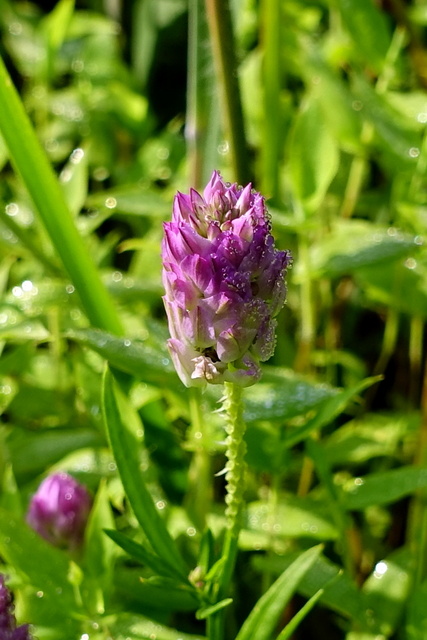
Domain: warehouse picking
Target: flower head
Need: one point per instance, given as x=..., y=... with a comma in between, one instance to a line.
x=59, y=510
x=8, y=628
x=224, y=281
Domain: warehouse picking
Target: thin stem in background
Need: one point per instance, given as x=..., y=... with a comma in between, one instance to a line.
x=222, y=41
x=272, y=143
x=202, y=125
x=416, y=339
x=30, y=161
x=417, y=521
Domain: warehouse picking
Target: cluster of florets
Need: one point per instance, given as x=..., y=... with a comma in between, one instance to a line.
x=8, y=628
x=224, y=282
x=59, y=510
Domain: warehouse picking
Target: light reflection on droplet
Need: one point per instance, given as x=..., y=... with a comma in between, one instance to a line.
x=191, y=531
x=410, y=263
x=17, y=292
x=15, y=28
x=12, y=209
x=117, y=276
x=111, y=203
x=77, y=155
x=27, y=285
x=414, y=152
x=380, y=569
x=223, y=149
x=127, y=343
x=160, y=504
x=40, y=594
x=422, y=117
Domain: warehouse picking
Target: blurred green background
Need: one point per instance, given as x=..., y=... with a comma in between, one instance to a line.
x=323, y=106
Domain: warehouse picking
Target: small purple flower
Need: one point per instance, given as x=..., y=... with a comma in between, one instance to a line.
x=8, y=628
x=224, y=282
x=59, y=510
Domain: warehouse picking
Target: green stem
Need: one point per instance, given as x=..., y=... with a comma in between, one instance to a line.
x=31, y=163
x=202, y=126
x=222, y=41
x=417, y=523
x=415, y=357
x=272, y=145
x=235, y=467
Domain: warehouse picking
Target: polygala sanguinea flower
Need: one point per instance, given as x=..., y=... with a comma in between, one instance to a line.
x=225, y=283
x=8, y=628
x=59, y=510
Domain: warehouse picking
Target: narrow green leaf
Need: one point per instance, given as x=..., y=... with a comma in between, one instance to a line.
x=55, y=27
x=264, y=616
x=141, y=553
x=383, y=488
x=31, y=163
x=125, y=450
x=139, y=359
x=313, y=156
x=330, y=410
x=387, y=590
x=150, y=596
x=368, y=28
x=288, y=631
x=205, y=612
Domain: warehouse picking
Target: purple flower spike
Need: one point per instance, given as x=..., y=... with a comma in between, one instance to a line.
x=8, y=628
x=224, y=282
x=59, y=511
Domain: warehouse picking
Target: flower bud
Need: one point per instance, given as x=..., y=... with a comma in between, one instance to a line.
x=8, y=628
x=224, y=281
x=59, y=510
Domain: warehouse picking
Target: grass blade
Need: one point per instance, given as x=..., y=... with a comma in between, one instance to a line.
x=30, y=161
x=124, y=449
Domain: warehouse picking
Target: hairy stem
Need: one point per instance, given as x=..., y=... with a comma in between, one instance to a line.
x=235, y=467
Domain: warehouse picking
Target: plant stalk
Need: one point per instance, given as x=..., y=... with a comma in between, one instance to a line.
x=223, y=50
x=235, y=467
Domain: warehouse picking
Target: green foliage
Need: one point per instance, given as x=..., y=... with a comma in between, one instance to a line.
x=116, y=107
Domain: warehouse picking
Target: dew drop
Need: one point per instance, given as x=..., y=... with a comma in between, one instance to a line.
x=12, y=209
x=77, y=155
x=111, y=203
x=380, y=569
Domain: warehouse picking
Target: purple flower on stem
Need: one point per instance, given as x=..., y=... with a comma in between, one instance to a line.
x=59, y=510
x=8, y=628
x=224, y=282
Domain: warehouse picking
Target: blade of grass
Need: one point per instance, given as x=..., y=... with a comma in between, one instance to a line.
x=30, y=161
x=264, y=616
x=125, y=454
